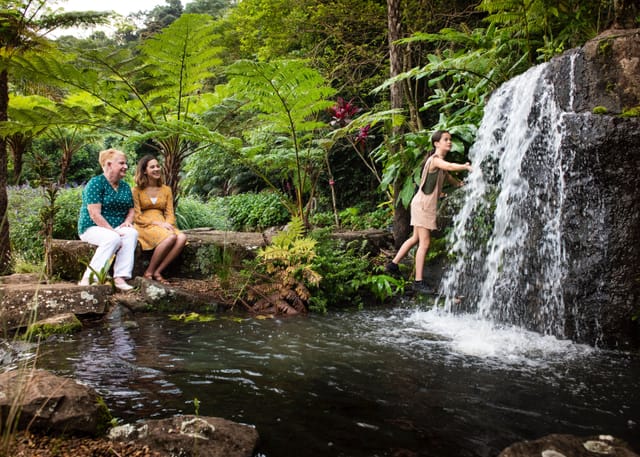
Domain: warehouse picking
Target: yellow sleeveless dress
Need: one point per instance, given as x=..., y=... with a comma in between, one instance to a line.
x=147, y=212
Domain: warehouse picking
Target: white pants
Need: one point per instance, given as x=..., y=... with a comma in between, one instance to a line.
x=122, y=243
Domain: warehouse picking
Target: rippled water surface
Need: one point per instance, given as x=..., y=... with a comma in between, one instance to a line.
x=371, y=383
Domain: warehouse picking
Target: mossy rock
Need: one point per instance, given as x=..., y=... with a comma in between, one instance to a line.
x=63, y=324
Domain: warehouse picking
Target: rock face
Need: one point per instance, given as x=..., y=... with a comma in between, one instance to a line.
x=602, y=205
x=191, y=436
x=50, y=403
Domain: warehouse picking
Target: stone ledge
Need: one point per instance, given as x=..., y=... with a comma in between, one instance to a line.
x=22, y=304
x=205, y=248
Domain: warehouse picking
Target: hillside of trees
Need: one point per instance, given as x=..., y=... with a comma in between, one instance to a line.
x=329, y=105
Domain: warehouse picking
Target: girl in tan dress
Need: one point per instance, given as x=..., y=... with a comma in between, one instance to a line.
x=154, y=218
x=424, y=205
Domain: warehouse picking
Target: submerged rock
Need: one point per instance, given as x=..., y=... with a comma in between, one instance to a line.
x=570, y=446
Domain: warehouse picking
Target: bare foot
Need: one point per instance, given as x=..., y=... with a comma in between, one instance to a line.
x=158, y=277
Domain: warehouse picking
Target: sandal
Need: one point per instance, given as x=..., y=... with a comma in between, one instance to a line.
x=160, y=279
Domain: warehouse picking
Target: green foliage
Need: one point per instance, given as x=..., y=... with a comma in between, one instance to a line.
x=192, y=317
x=25, y=219
x=213, y=172
x=600, y=110
x=290, y=255
x=25, y=224
x=68, y=205
x=191, y=212
x=286, y=96
x=544, y=28
x=255, y=211
x=102, y=276
x=344, y=269
x=239, y=212
x=631, y=112
x=212, y=260
x=382, y=286
x=354, y=219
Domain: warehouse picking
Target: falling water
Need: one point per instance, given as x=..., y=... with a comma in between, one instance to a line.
x=507, y=239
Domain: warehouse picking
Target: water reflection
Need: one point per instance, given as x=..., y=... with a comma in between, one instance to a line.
x=374, y=383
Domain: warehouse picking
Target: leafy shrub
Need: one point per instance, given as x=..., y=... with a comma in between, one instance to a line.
x=322, y=219
x=256, y=211
x=25, y=224
x=354, y=219
x=68, y=205
x=25, y=221
x=344, y=269
x=239, y=212
x=191, y=212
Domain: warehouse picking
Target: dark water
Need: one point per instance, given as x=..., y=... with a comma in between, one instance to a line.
x=371, y=383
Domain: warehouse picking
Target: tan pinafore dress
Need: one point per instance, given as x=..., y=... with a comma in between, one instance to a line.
x=424, y=206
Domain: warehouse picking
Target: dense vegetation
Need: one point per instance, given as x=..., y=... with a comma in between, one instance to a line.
x=262, y=110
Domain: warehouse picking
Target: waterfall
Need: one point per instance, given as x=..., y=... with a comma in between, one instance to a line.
x=507, y=238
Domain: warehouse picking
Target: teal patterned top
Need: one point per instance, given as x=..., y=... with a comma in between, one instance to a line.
x=115, y=204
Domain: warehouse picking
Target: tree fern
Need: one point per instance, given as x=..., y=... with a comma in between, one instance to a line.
x=287, y=97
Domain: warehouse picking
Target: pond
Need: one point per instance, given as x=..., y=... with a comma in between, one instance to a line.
x=380, y=382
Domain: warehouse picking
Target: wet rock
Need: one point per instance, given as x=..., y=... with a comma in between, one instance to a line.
x=188, y=436
x=601, y=211
x=51, y=404
x=155, y=296
x=22, y=304
x=570, y=446
x=62, y=324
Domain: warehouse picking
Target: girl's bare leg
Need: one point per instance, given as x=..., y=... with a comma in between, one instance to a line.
x=176, y=249
x=424, y=236
x=159, y=253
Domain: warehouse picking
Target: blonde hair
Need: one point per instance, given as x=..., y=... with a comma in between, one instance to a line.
x=141, y=179
x=109, y=154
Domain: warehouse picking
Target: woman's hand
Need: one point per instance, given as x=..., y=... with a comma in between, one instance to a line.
x=166, y=226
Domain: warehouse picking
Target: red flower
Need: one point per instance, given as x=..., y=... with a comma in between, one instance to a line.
x=363, y=134
x=342, y=112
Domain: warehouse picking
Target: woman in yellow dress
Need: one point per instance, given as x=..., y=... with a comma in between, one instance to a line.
x=155, y=219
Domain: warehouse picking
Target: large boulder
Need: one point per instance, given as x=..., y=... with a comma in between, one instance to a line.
x=23, y=304
x=45, y=402
x=191, y=436
x=601, y=209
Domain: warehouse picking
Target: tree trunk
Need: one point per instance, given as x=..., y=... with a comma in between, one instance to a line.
x=5, y=245
x=401, y=214
x=17, y=144
x=625, y=13
x=171, y=149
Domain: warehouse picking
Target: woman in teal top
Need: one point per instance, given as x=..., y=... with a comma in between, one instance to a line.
x=106, y=219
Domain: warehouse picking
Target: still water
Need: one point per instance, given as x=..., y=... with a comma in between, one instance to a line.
x=384, y=382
